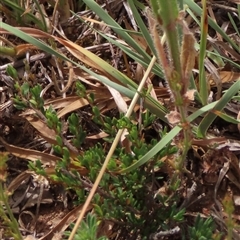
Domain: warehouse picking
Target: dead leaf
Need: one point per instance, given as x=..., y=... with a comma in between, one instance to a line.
x=55, y=104
x=32, y=155
x=97, y=136
x=30, y=237
x=73, y=106
x=188, y=54
x=236, y=200
x=64, y=223
x=23, y=48
x=173, y=117
x=209, y=141
x=226, y=77
x=48, y=134
x=214, y=76
x=126, y=142
x=121, y=104
x=15, y=183
x=190, y=94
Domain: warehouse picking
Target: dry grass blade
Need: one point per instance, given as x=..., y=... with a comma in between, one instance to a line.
x=226, y=77
x=80, y=53
x=59, y=228
x=121, y=104
x=18, y=180
x=61, y=103
x=48, y=134
x=32, y=155
x=73, y=106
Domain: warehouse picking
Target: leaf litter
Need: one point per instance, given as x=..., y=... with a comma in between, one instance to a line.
x=213, y=162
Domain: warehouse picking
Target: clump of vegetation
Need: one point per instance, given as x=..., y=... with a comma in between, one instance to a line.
x=125, y=158
x=8, y=222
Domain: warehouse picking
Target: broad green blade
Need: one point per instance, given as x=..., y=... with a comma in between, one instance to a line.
x=166, y=139
x=210, y=117
x=226, y=117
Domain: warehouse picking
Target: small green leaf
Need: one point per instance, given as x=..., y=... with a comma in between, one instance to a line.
x=210, y=117
x=59, y=140
x=12, y=72
x=179, y=216
x=33, y=102
x=25, y=89
x=73, y=119
x=66, y=154
x=98, y=210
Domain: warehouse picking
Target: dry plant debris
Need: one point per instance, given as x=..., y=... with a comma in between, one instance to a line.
x=45, y=207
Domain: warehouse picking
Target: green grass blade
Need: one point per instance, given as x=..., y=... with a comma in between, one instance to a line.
x=190, y=12
x=234, y=24
x=210, y=117
x=191, y=4
x=153, y=105
x=135, y=56
x=226, y=117
x=165, y=140
x=216, y=57
x=20, y=11
x=150, y=103
x=145, y=32
x=116, y=28
x=192, y=85
x=158, y=147
x=225, y=59
x=44, y=24
x=238, y=8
